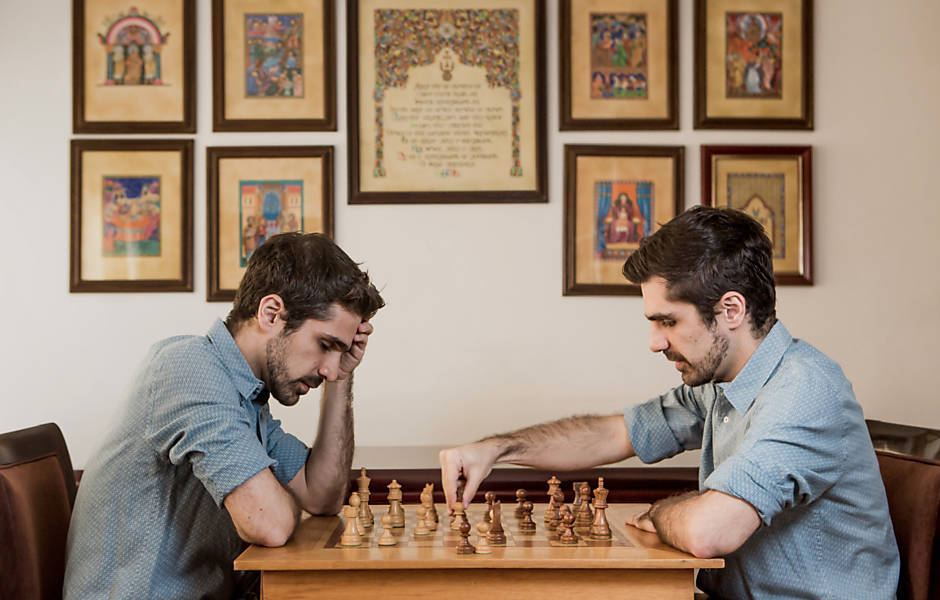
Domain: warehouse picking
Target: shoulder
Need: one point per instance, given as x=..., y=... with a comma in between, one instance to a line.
x=186, y=365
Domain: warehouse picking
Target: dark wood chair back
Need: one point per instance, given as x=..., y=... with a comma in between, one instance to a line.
x=913, y=488
x=37, y=491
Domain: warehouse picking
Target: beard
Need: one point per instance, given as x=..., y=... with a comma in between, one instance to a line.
x=285, y=390
x=704, y=371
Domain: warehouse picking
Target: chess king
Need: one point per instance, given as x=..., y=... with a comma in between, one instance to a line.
x=196, y=466
x=790, y=492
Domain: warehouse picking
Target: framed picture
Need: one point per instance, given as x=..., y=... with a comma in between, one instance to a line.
x=614, y=197
x=133, y=66
x=619, y=64
x=273, y=65
x=132, y=216
x=446, y=101
x=773, y=184
x=753, y=64
x=257, y=192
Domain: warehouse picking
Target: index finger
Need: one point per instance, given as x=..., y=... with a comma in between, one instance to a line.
x=451, y=468
x=366, y=328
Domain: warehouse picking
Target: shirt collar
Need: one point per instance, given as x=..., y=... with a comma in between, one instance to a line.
x=743, y=389
x=243, y=377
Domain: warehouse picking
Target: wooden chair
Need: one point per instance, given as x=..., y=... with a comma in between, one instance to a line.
x=37, y=492
x=913, y=488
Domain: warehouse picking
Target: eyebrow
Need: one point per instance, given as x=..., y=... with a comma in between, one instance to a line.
x=661, y=317
x=335, y=343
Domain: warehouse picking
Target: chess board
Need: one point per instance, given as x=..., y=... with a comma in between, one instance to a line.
x=313, y=564
x=444, y=537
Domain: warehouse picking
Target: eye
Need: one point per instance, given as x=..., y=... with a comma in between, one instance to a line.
x=324, y=347
x=667, y=323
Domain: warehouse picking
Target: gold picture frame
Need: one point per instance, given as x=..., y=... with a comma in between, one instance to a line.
x=774, y=185
x=273, y=65
x=614, y=197
x=754, y=64
x=619, y=64
x=446, y=101
x=133, y=66
x=132, y=214
x=254, y=192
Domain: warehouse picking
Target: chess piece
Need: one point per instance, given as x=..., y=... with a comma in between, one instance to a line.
x=527, y=524
x=490, y=497
x=520, y=500
x=464, y=546
x=426, y=510
x=351, y=536
x=483, y=546
x=366, y=518
x=576, y=504
x=553, y=485
x=421, y=527
x=600, y=528
x=460, y=516
x=496, y=536
x=394, y=504
x=387, y=538
x=568, y=537
x=437, y=518
x=585, y=515
x=556, y=507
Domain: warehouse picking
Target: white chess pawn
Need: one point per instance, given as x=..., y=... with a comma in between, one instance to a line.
x=483, y=546
x=387, y=539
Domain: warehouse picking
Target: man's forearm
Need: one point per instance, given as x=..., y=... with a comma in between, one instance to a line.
x=705, y=524
x=328, y=466
x=671, y=518
x=573, y=443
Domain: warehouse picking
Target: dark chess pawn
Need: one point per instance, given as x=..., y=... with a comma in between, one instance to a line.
x=585, y=515
x=527, y=524
x=568, y=537
x=490, y=498
x=520, y=500
x=464, y=546
x=556, y=508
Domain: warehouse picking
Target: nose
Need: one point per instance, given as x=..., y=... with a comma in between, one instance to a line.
x=329, y=369
x=658, y=341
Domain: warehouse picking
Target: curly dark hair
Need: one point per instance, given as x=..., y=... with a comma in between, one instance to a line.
x=310, y=273
x=705, y=252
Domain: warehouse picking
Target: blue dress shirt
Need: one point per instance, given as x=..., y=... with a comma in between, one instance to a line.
x=148, y=519
x=788, y=437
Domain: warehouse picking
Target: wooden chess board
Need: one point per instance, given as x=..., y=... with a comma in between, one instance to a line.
x=632, y=564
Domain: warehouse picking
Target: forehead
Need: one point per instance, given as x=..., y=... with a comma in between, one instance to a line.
x=656, y=300
x=339, y=323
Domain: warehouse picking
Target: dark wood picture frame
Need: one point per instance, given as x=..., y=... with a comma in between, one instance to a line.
x=82, y=124
x=184, y=283
x=803, y=156
x=567, y=122
x=328, y=86
x=539, y=193
x=804, y=117
x=214, y=186
x=663, y=212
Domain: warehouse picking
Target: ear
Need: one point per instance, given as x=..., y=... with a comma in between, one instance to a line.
x=732, y=309
x=270, y=313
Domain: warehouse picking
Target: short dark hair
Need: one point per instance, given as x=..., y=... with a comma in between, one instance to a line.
x=310, y=273
x=705, y=252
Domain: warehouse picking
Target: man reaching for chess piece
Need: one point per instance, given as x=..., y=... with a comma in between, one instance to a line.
x=790, y=495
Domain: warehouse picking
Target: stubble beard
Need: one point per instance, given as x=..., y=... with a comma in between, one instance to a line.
x=705, y=371
x=280, y=385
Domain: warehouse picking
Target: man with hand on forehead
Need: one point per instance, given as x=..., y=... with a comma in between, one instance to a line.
x=789, y=488
x=196, y=467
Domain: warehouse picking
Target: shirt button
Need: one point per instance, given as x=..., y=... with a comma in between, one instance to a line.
x=725, y=420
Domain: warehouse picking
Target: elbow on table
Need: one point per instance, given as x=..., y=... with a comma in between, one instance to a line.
x=703, y=542
x=272, y=532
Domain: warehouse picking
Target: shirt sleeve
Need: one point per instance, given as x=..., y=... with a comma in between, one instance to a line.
x=196, y=418
x=670, y=424
x=791, y=455
x=289, y=452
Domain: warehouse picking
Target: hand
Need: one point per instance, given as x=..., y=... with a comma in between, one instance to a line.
x=352, y=357
x=472, y=462
x=642, y=521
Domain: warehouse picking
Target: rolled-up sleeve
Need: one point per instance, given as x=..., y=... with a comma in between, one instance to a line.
x=669, y=424
x=791, y=455
x=290, y=453
x=192, y=420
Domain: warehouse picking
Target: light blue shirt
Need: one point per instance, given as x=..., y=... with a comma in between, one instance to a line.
x=148, y=519
x=788, y=437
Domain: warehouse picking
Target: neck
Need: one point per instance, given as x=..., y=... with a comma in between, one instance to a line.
x=252, y=345
x=742, y=348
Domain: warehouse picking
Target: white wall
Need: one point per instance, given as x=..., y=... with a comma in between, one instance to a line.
x=477, y=337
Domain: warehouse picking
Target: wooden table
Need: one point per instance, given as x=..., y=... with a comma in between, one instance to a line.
x=635, y=564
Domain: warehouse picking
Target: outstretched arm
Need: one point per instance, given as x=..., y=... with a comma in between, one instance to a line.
x=705, y=525
x=572, y=443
